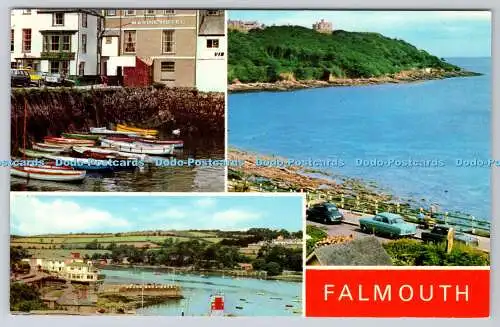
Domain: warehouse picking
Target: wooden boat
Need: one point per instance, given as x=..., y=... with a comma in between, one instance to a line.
x=161, y=150
x=110, y=152
x=142, y=131
x=49, y=173
x=105, y=131
x=67, y=141
x=146, y=141
x=81, y=163
x=32, y=153
x=52, y=148
x=81, y=136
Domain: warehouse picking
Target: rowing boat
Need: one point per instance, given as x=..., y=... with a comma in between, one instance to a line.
x=145, y=141
x=32, y=153
x=81, y=136
x=105, y=131
x=49, y=173
x=161, y=150
x=81, y=163
x=67, y=141
x=143, y=131
x=47, y=147
x=109, y=151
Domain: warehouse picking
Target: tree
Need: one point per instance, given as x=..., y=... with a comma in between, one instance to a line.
x=273, y=268
x=259, y=264
x=24, y=298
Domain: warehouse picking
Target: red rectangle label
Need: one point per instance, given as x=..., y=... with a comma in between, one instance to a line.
x=397, y=293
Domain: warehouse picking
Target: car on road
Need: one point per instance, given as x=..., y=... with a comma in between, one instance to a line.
x=325, y=213
x=439, y=234
x=387, y=223
x=19, y=77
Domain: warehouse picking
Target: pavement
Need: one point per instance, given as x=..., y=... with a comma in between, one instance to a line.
x=350, y=226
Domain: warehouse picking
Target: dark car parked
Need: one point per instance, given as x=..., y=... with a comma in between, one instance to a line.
x=19, y=77
x=326, y=213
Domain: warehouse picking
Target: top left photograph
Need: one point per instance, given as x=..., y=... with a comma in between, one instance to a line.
x=122, y=100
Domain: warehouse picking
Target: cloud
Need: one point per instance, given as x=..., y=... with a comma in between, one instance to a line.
x=32, y=216
x=205, y=202
x=234, y=218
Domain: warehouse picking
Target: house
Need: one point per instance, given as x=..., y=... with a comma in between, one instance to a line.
x=211, y=51
x=245, y=266
x=367, y=251
x=62, y=41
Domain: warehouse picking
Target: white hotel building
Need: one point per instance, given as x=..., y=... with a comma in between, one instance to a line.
x=56, y=40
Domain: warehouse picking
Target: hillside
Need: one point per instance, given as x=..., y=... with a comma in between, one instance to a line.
x=277, y=52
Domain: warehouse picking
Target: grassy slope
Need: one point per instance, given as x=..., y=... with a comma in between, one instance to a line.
x=261, y=55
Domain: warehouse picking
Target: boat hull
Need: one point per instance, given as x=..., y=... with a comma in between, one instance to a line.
x=110, y=152
x=105, y=131
x=81, y=136
x=148, y=142
x=142, y=131
x=68, y=141
x=47, y=173
x=138, y=148
x=51, y=148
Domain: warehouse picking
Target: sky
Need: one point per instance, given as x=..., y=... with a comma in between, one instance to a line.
x=441, y=33
x=56, y=214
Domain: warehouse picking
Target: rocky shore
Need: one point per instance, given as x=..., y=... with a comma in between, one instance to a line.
x=407, y=76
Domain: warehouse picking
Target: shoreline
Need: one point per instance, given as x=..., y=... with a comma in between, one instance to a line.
x=207, y=273
x=403, y=77
x=347, y=192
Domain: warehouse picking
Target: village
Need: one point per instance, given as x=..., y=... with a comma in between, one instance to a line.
x=178, y=48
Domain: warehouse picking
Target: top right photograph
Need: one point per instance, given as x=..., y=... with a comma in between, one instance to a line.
x=382, y=117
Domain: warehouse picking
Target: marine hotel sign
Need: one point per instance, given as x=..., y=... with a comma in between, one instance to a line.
x=158, y=22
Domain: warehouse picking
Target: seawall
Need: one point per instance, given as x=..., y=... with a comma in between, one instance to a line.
x=51, y=111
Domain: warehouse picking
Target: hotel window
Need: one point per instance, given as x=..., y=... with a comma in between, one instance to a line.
x=81, y=68
x=26, y=11
x=212, y=43
x=27, y=40
x=214, y=12
x=129, y=41
x=130, y=12
x=167, y=66
x=111, y=12
x=168, y=41
x=169, y=12
x=84, y=20
x=56, y=43
x=11, y=40
x=109, y=40
x=149, y=12
x=58, y=19
x=84, y=43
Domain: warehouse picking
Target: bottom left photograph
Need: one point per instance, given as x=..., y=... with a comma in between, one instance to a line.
x=201, y=254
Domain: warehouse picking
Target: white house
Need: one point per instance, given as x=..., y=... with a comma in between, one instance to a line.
x=211, y=51
x=56, y=40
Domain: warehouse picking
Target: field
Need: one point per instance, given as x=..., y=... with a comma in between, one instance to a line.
x=79, y=241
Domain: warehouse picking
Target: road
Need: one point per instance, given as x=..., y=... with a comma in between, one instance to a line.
x=350, y=226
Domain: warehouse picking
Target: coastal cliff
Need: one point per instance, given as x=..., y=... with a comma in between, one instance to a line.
x=292, y=57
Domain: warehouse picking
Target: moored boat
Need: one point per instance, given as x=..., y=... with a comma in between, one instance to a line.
x=82, y=136
x=49, y=173
x=105, y=131
x=67, y=141
x=109, y=151
x=47, y=147
x=82, y=163
x=142, y=131
x=159, y=150
x=146, y=141
x=33, y=153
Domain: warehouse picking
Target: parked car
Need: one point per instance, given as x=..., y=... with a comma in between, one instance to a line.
x=387, y=223
x=38, y=78
x=19, y=77
x=54, y=78
x=326, y=213
x=439, y=234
